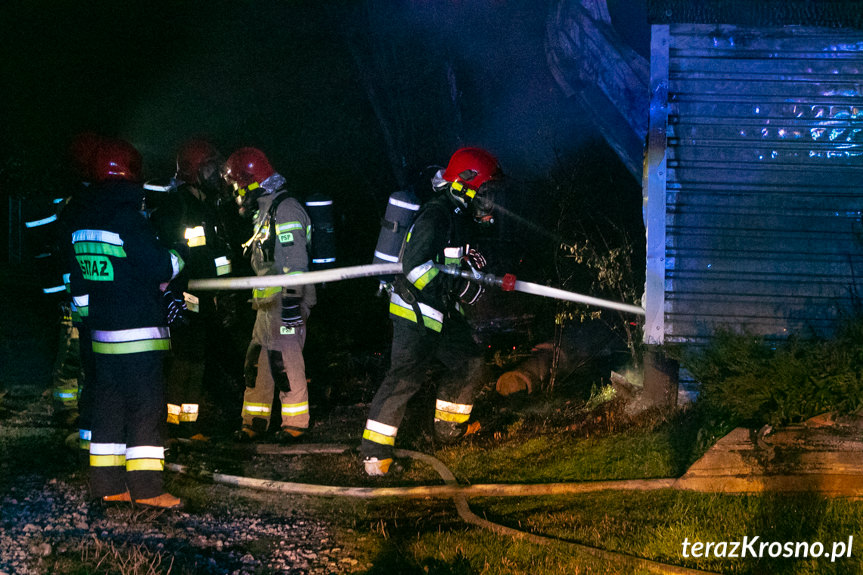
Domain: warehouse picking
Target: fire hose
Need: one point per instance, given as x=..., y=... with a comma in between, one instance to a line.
x=453, y=489
x=507, y=283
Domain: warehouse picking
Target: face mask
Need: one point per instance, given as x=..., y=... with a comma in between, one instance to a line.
x=247, y=199
x=482, y=205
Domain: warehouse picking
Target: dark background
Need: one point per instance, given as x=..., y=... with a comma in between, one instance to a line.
x=352, y=99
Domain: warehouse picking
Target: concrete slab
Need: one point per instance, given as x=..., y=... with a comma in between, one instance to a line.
x=823, y=455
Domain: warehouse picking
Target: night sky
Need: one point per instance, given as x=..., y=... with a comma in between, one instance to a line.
x=308, y=82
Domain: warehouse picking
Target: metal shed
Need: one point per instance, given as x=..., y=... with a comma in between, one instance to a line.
x=753, y=179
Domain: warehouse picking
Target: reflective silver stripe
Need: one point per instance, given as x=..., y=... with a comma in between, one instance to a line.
x=381, y=428
x=223, y=265
x=405, y=205
x=85, y=434
x=175, y=265
x=54, y=289
x=449, y=407
x=455, y=253
x=324, y=203
x=124, y=335
x=107, y=448
x=97, y=236
x=323, y=260
x=157, y=187
x=195, y=237
x=58, y=200
x=81, y=300
x=145, y=452
x=67, y=278
x=386, y=257
x=42, y=222
x=426, y=310
x=419, y=271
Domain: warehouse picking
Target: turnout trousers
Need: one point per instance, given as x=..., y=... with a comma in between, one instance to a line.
x=128, y=414
x=275, y=362
x=85, y=392
x=184, y=381
x=66, y=373
x=413, y=351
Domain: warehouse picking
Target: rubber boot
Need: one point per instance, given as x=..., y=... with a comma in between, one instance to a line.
x=163, y=501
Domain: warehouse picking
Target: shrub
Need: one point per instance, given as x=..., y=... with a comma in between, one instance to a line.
x=755, y=381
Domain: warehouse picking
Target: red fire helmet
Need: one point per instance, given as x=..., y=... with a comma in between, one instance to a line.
x=472, y=167
x=117, y=159
x=247, y=166
x=191, y=156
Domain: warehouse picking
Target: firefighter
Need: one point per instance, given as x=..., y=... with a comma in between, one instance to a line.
x=279, y=245
x=122, y=270
x=43, y=239
x=81, y=155
x=427, y=310
x=188, y=217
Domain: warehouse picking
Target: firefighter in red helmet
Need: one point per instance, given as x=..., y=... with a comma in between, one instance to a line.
x=81, y=159
x=427, y=309
x=279, y=245
x=122, y=271
x=187, y=220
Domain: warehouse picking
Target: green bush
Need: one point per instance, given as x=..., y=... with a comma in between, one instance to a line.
x=755, y=381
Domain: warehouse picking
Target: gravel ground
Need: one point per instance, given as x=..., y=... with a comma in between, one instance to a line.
x=47, y=515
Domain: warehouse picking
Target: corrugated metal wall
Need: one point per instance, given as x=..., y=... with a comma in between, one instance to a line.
x=764, y=183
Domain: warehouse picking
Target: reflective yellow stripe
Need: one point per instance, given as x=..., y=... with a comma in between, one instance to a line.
x=409, y=315
x=376, y=437
x=295, y=408
x=173, y=414
x=131, y=346
x=107, y=460
x=145, y=465
x=223, y=266
x=256, y=409
x=288, y=226
x=421, y=275
x=195, y=237
x=454, y=417
x=262, y=293
x=402, y=312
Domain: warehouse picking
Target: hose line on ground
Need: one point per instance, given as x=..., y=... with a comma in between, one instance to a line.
x=450, y=488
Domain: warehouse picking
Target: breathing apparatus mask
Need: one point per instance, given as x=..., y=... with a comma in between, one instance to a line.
x=247, y=198
x=480, y=202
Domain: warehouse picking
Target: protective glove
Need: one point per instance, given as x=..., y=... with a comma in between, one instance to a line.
x=291, y=311
x=474, y=260
x=470, y=292
x=175, y=308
